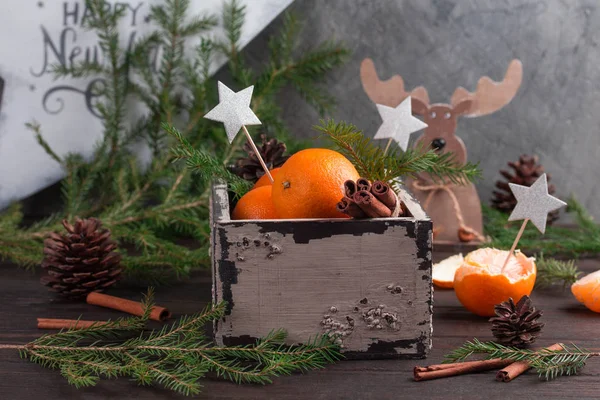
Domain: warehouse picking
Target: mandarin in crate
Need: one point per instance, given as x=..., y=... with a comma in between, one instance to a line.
x=256, y=204
x=264, y=180
x=480, y=283
x=587, y=291
x=311, y=183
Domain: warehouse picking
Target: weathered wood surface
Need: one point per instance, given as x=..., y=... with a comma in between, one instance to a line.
x=22, y=299
x=323, y=276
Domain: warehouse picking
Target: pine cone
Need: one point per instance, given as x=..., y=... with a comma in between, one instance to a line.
x=526, y=171
x=272, y=152
x=516, y=325
x=82, y=260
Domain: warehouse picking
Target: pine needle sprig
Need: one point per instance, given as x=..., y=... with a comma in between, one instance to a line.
x=205, y=165
x=583, y=217
x=563, y=240
x=371, y=162
x=549, y=364
x=176, y=357
x=551, y=271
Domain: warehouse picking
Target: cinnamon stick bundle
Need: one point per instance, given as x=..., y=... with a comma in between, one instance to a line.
x=364, y=199
x=52, y=323
x=518, y=367
x=132, y=307
x=446, y=370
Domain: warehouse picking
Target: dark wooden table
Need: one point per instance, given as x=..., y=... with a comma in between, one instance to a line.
x=22, y=299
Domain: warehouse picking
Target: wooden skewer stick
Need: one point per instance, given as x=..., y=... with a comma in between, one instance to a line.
x=262, y=162
x=514, y=245
x=387, y=147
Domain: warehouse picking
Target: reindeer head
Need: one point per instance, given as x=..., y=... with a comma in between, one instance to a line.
x=441, y=118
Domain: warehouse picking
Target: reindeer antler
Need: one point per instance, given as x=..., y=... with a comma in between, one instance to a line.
x=491, y=96
x=389, y=93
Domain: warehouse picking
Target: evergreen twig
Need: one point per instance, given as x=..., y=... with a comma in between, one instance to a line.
x=551, y=271
x=582, y=239
x=372, y=164
x=549, y=364
x=177, y=356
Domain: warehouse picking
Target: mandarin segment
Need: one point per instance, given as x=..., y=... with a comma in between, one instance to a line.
x=256, y=204
x=311, y=183
x=480, y=283
x=587, y=291
x=444, y=271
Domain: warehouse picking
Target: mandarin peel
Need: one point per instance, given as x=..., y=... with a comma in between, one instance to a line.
x=480, y=283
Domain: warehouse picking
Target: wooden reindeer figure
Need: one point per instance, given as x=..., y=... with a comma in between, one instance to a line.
x=454, y=209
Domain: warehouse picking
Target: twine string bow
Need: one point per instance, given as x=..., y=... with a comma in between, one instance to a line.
x=432, y=189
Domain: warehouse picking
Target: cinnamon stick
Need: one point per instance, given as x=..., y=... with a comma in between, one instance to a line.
x=370, y=205
x=363, y=184
x=52, y=323
x=437, y=367
x=128, y=306
x=518, y=367
x=349, y=207
x=447, y=370
x=382, y=191
x=350, y=188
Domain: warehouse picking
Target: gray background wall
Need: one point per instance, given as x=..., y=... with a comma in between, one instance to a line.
x=446, y=43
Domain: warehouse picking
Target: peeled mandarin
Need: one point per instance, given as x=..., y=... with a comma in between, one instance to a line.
x=587, y=291
x=480, y=283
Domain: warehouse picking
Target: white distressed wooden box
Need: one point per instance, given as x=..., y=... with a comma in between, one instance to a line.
x=369, y=281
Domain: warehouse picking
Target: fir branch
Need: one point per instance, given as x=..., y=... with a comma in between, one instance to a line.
x=232, y=19
x=303, y=72
x=583, y=239
x=176, y=357
x=551, y=271
x=372, y=164
x=549, y=364
x=583, y=217
x=206, y=166
x=37, y=130
x=83, y=69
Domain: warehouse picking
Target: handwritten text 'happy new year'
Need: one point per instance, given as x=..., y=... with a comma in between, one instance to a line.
x=63, y=49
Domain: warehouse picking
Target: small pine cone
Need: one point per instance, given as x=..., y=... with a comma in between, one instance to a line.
x=80, y=261
x=524, y=172
x=516, y=325
x=272, y=152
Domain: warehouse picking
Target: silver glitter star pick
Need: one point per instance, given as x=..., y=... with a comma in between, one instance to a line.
x=534, y=203
x=398, y=123
x=233, y=110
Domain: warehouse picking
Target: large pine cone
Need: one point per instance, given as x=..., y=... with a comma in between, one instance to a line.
x=82, y=260
x=525, y=172
x=516, y=324
x=272, y=152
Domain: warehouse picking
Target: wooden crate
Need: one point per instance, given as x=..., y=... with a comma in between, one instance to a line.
x=367, y=280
